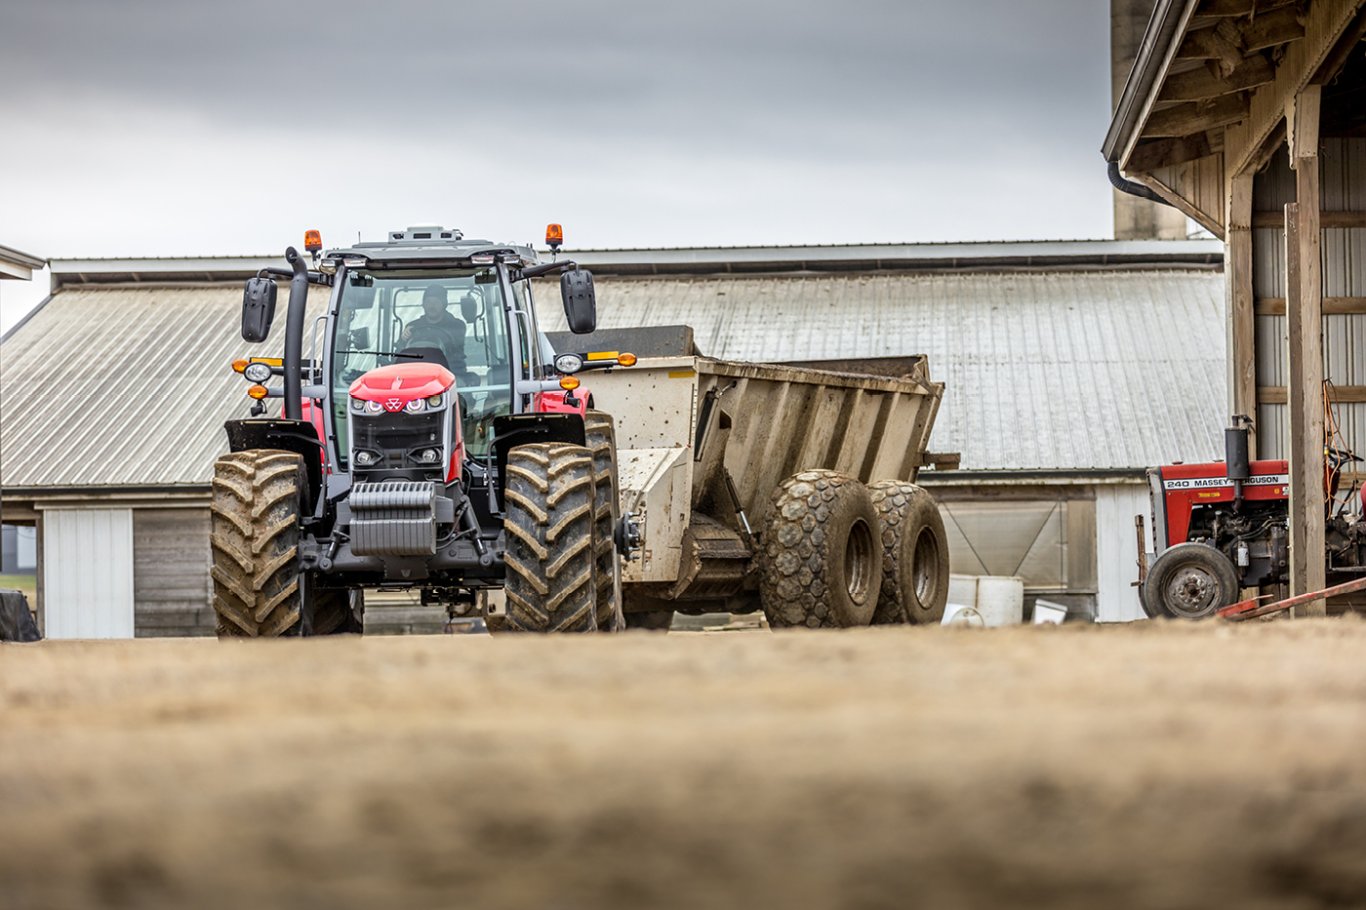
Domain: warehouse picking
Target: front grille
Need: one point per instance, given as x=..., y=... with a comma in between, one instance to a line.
x=393, y=436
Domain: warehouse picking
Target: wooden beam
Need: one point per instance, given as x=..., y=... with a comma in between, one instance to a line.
x=1327, y=219
x=1197, y=116
x=1332, y=306
x=1270, y=29
x=1156, y=153
x=1221, y=43
x=1338, y=394
x=1324, y=24
x=1179, y=202
x=1304, y=312
x=1239, y=7
x=1208, y=82
x=1240, y=321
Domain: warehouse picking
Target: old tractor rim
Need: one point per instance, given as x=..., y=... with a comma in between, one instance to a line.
x=858, y=561
x=1192, y=592
x=925, y=574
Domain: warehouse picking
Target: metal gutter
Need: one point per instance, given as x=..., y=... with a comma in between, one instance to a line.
x=1169, y=20
x=21, y=259
x=1010, y=255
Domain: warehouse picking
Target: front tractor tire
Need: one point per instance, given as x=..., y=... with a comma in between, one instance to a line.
x=550, y=512
x=601, y=439
x=1189, y=581
x=254, y=539
x=821, y=560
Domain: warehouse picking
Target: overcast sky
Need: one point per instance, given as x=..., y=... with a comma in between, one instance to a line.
x=154, y=128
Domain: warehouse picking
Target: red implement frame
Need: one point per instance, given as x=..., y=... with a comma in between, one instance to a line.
x=1248, y=609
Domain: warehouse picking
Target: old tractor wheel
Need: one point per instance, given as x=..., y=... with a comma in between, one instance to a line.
x=338, y=612
x=915, y=554
x=601, y=439
x=549, y=529
x=1189, y=581
x=820, y=563
x=254, y=536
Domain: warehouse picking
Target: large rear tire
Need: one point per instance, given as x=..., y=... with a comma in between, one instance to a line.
x=915, y=554
x=254, y=538
x=820, y=563
x=601, y=439
x=1189, y=581
x=550, y=512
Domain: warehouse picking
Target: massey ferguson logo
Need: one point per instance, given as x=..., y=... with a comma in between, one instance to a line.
x=1204, y=483
x=393, y=404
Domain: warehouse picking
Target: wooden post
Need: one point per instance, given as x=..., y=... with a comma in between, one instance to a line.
x=1241, y=320
x=1304, y=311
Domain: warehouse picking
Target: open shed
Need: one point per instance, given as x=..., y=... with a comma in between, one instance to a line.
x=1246, y=115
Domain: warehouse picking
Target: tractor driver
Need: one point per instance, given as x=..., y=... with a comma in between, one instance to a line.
x=436, y=327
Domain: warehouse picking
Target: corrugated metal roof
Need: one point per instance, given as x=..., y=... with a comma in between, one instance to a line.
x=1067, y=370
x=123, y=387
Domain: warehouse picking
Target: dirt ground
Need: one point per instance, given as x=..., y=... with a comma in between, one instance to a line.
x=1156, y=765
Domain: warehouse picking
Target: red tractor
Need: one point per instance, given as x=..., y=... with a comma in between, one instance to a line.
x=1223, y=526
x=433, y=440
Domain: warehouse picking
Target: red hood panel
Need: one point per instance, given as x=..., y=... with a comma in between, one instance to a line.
x=397, y=384
x=1218, y=469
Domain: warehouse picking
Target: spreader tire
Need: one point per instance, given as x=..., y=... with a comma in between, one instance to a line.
x=548, y=521
x=254, y=538
x=820, y=563
x=1189, y=581
x=601, y=439
x=915, y=554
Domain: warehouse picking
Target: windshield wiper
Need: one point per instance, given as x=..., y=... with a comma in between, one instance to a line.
x=383, y=354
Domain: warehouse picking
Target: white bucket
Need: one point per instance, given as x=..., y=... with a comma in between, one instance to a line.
x=962, y=591
x=1000, y=600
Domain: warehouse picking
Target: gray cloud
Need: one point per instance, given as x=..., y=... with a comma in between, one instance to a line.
x=869, y=117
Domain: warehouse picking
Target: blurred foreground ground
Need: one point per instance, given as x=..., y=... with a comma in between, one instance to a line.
x=1155, y=765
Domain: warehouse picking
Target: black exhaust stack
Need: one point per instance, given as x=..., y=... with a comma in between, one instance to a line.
x=294, y=335
x=1237, y=463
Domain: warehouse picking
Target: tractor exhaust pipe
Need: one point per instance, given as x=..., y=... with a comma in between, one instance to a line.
x=1237, y=464
x=294, y=335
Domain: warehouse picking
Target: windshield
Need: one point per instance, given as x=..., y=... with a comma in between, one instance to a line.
x=451, y=316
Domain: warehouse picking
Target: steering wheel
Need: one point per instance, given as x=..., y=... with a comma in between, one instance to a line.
x=432, y=334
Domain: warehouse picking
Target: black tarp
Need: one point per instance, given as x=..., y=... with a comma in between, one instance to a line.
x=16, y=622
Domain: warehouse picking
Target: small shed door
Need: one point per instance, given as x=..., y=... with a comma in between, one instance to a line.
x=88, y=573
x=1117, y=550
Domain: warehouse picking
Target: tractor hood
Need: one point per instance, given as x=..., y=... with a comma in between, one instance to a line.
x=395, y=385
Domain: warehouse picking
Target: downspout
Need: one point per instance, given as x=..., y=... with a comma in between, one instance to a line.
x=1119, y=182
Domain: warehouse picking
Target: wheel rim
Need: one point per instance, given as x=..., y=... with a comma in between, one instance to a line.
x=858, y=561
x=1192, y=592
x=925, y=575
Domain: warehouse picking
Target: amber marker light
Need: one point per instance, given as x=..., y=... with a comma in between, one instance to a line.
x=258, y=392
x=239, y=365
x=627, y=360
x=313, y=241
x=554, y=235
x=569, y=383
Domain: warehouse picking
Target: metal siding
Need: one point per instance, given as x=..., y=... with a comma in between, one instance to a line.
x=1117, y=550
x=141, y=387
x=1048, y=370
x=88, y=573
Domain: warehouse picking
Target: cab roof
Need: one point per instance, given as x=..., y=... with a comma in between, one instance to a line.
x=430, y=243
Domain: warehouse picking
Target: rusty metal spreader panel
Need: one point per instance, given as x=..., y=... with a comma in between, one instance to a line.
x=760, y=423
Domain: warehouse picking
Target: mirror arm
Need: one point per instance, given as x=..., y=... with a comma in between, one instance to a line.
x=548, y=268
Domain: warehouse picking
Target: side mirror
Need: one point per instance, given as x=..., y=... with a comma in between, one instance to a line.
x=580, y=303
x=469, y=308
x=258, y=309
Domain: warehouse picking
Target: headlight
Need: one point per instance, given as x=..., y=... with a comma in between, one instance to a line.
x=437, y=400
x=373, y=407
x=416, y=406
x=365, y=458
x=427, y=456
x=568, y=363
x=257, y=372
x=357, y=404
